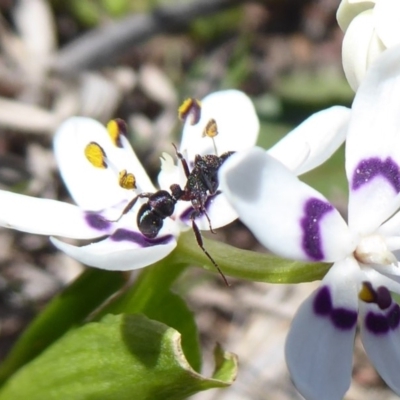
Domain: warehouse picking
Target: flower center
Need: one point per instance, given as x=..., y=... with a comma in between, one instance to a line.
x=372, y=249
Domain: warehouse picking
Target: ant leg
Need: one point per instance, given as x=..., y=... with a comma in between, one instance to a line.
x=209, y=221
x=131, y=204
x=199, y=240
x=183, y=161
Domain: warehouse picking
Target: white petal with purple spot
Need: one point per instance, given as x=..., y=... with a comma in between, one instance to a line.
x=286, y=215
x=124, y=251
x=49, y=217
x=380, y=334
x=319, y=345
x=373, y=145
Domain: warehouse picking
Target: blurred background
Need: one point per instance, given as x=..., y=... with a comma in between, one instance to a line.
x=137, y=60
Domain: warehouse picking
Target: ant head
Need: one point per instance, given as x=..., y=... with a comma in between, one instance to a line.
x=226, y=155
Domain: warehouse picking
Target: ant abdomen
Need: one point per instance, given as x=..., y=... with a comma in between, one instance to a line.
x=151, y=215
x=148, y=221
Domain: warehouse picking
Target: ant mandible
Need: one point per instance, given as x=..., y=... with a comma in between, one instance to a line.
x=201, y=183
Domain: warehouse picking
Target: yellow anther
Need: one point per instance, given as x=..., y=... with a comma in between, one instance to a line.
x=211, y=129
x=116, y=128
x=127, y=180
x=95, y=155
x=367, y=293
x=190, y=108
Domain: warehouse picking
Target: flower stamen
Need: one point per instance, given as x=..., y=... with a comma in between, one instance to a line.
x=117, y=128
x=381, y=296
x=211, y=130
x=96, y=155
x=127, y=180
x=191, y=107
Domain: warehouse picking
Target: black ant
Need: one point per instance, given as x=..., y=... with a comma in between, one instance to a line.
x=202, y=182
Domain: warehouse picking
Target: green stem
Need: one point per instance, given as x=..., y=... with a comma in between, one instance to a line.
x=246, y=264
x=68, y=308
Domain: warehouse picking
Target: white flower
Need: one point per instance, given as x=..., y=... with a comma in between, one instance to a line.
x=103, y=174
x=370, y=27
x=295, y=221
x=100, y=197
x=237, y=123
x=237, y=127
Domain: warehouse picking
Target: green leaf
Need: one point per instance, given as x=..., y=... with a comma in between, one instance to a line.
x=246, y=264
x=121, y=357
x=70, y=307
x=151, y=295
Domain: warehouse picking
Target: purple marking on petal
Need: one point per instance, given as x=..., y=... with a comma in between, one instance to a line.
x=370, y=168
x=376, y=323
x=314, y=210
x=121, y=235
x=394, y=316
x=381, y=323
x=323, y=301
x=97, y=221
x=341, y=318
x=185, y=215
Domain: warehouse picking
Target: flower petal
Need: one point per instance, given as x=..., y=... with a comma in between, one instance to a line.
x=286, y=215
x=236, y=120
x=219, y=211
x=355, y=48
x=389, y=271
x=386, y=13
x=380, y=334
x=349, y=9
x=373, y=145
x=319, y=345
x=170, y=173
x=123, y=251
x=95, y=188
x=319, y=136
x=381, y=280
x=48, y=217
